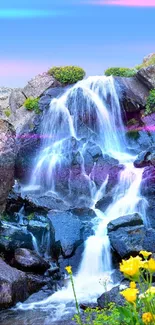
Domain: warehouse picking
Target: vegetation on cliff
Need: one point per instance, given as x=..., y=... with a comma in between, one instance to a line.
x=67, y=75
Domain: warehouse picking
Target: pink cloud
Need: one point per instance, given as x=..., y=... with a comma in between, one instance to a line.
x=127, y=3
x=20, y=68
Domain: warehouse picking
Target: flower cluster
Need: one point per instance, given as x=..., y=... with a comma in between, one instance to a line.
x=140, y=269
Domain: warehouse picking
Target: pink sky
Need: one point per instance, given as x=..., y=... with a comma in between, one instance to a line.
x=9, y=68
x=129, y=3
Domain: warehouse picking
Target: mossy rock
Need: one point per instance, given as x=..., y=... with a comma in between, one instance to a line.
x=67, y=75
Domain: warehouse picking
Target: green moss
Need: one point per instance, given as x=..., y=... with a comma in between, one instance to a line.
x=8, y=112
x=146, y=64
x=133, y=134
x=120, y=72
x=150, y=103
x=30, y=216
x=68, y=74
x=32, y=104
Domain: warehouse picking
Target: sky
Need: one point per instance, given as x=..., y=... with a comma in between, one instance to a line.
x=93, y=34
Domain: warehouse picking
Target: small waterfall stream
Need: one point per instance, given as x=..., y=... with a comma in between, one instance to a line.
x=92, y=102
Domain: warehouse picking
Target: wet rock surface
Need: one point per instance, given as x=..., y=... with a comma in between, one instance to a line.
x=13, y=285
x=30, y=261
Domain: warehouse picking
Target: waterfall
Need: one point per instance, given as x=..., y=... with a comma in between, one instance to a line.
x=89, y=110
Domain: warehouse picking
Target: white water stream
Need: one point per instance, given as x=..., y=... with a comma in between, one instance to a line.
x=99, y=107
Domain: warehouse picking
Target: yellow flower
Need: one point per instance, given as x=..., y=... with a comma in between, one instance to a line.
x=132, y=285
x=131, y=266
x=68, y=269
x=147, y=318
x=145, y=254
x=151, y=265
x=130, y=294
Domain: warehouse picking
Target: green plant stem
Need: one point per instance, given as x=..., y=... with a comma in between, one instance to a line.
x=76, y=301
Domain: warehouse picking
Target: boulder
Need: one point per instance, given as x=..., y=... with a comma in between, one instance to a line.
x=13, y=236
x=70, y=232
x=13, y=285
x=112, y=296
x=126, y=221
x=130, y=240
x=146, y=158
x=37, y=281
x=146, y=75
x=29, y=261
x=148, y=191
x=7, y=160
x=132, y=94
x=37, y=85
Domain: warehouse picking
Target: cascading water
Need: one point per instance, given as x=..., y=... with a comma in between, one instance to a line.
x=90, y=109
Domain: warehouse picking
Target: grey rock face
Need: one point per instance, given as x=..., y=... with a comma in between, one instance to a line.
x=125, y=221
x=37, y=85
x=7, y=160
x=147, y=76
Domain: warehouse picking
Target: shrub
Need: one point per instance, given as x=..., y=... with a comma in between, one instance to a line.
x=32, y=104
x=68, y=74
x=120, y=72
x=150, y=103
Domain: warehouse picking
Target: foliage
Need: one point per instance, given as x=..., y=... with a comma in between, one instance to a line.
x=150, y=103
x=7, y=112
x=32, y=104
x=30, y=216
x=120, y=72
x=139, y=307
x=68, y=74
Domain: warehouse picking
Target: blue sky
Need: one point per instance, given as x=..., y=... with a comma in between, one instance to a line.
x=36, y=35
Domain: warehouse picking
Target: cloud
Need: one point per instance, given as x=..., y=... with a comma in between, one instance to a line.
x=126, y=3
x=29, y=13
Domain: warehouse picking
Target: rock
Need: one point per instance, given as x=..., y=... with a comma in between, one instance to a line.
x=13, y=237
x=104, y=203
x=74, y=260
x=16, y=99
x=67, y=229
x=40, y=83
x=147, y=76
x=148, y=58
x=7, y=160
x=4, y=100
x=21, y=118
x=148, y=191
x=13, y=285
x=49, y=95
x=36, y=282
x=132, y=94
x=44, y=203
x=70, y=231
x=130, y=240
x=146, y=158
x=126, y=221
x=30, y=261
x=112, y=296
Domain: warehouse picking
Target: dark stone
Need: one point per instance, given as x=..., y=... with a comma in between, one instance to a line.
x=147, y=76
x=104, y=203
x=146, y=158
x=125, y=221
x=74, y=260
x=70, y=232
x=13, y=237
x=13, y=285
x=112, y=296
x=36, y=282
x=30, y=261
x=131, y=240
